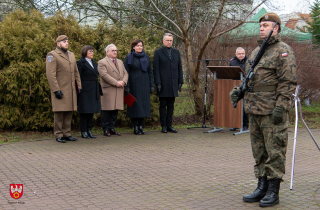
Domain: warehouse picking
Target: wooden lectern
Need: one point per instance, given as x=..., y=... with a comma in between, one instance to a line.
x=225, y=79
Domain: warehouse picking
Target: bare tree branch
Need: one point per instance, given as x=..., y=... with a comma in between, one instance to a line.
x=178, y=17
x=106, y=11
x=163, y=15
x=240, y=23
x=155, y=24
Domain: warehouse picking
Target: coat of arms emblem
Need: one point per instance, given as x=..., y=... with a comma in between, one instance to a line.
x=16, y=190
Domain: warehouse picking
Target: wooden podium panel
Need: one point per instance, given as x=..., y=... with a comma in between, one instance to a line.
x=227, y=72
x=224, y=113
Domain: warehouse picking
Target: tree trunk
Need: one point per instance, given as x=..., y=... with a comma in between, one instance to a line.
x=197, y=97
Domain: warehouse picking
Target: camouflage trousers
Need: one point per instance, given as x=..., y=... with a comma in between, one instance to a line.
x=269, y=145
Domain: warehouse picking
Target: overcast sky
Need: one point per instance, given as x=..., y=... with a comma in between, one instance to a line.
x=289, y=6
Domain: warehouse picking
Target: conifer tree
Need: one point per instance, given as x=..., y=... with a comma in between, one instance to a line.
x=314, y=23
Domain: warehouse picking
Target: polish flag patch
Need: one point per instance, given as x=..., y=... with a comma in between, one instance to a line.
x=284, y=54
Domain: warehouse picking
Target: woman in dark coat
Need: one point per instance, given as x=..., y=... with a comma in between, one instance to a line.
x=140, y=85
x=89, y=97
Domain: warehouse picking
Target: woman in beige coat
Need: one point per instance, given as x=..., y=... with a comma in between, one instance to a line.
x=113, y=79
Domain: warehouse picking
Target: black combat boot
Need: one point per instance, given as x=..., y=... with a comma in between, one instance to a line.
x=272, y=196
x=259, y=192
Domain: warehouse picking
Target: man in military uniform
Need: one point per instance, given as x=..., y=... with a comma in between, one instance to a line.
x=64, y=80
x=240, y=60
x=268, y=101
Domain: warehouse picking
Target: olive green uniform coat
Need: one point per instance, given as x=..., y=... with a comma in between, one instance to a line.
x=62, y=71
x=110, y=74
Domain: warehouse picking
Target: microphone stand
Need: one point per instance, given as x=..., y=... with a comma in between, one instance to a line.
x=205, y=94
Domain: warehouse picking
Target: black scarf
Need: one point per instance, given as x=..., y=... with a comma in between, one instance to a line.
x=143, y=59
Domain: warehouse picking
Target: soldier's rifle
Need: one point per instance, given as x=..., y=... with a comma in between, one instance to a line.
x=249, y=76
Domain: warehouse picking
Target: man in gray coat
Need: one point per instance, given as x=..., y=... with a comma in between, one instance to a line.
x=168, y=78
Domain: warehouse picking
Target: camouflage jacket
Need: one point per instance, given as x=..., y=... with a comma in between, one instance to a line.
x=277, y=68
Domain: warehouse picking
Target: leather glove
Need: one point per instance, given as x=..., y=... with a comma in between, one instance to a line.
x=59, y=94
x=234, y=96
x=277, y=115
x=151, y=90
x=179, y=87
x=159, y=88
x=126, y=91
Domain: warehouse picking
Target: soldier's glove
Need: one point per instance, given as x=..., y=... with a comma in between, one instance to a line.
x=277, y=115
x=151, y=90
x=179, y=87
x=234, y=96
x=159, y=88
x=126, y=91
x=59, y=94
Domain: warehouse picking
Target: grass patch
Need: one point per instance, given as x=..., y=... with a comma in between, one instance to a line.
x=7, y=136
x=183, y=104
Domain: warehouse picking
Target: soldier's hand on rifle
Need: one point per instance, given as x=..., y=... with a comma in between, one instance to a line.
x=59, y=94
x=234, y=96
x=277, y=115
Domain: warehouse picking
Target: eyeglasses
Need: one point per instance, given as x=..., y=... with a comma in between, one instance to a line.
x=168, y=40
x=91, y=51
x=114, y=50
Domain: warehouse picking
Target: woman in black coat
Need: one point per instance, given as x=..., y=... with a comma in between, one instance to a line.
x=140, y=85
x=89, y=97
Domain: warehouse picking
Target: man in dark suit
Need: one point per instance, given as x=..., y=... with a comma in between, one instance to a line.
x=168, y=78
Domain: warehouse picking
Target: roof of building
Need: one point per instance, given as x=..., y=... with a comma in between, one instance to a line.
x=251, y=29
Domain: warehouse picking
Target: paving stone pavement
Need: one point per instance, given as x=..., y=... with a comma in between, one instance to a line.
x=186, y=170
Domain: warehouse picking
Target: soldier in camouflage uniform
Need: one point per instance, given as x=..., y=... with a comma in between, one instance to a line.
x=268, y=102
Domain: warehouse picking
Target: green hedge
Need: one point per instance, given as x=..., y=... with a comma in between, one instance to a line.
x=25, y=40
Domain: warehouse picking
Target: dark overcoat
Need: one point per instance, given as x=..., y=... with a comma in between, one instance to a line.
x=89, y=97
x=236, y=62
x=167, y=72
x=139, y=83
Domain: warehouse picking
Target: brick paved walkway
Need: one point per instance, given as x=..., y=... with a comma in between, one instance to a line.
x=187, y=170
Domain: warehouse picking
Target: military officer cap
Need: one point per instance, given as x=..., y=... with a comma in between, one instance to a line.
x=61, y=38
x=271, y=16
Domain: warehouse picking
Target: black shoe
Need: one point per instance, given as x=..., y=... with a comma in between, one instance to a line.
x=61, y=140
x=171, y=129
x=141, y=130
x=114, y=132
x=233, y=129
x=90, y=134
x=164, y=129
x=136, y=130
x=70, y=138
x=245, y=128
x=272, y=196
x=259, y=192
x=85, y=135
